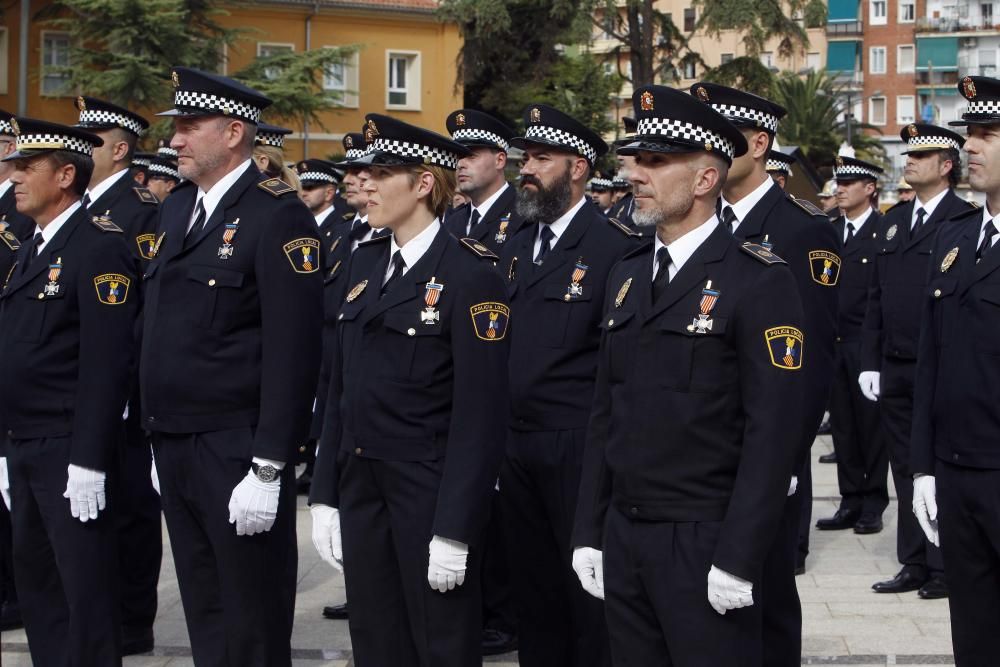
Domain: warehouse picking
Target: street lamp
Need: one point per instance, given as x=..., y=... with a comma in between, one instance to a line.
x=849, y=113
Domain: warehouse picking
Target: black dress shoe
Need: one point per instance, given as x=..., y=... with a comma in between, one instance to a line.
x=828, y=458
x=868, y=524
x=496, y=642
x=10, y=616
x=842, y=520
x=136, y=641
x=904, y=582
x=934, y=589
x=336, y=611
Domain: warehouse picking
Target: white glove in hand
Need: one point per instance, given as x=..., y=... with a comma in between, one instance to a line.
x=326, y=535
x=793, y=486
x=727, y=592
x=153, y=476
x=869, y=381
x=925, y=506
x=253, y=506
x=4, y=482
x=446, y=568
x=588, y=563
x=85, y=491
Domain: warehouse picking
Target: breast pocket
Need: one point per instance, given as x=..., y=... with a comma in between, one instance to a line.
x=989, y=321
x=619, y=344
x=410, y=349
x=215, y=296
x=673, y=355
x=566, y=316
x=944, y=308
x=38, y=314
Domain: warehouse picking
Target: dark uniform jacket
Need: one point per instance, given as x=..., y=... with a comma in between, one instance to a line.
x=9, y=245
x=19, y=224
x=496, y=229
x=330, y=231
x=694, y=422
x=896, y=294
x=412, y=385
x=623, y=208
x=66, y=323
x=234, y=342
x=555, y=335
x=133, y=208
x=955, y=416
x=857, y=263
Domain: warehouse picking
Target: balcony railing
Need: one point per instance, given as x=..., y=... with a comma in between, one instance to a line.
x=936, y=78
x=845, y=28
x=850, y=79
x=971, y=24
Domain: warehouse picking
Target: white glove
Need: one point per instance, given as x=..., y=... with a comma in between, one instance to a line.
x=925, y=506
x=588, y=563
x=85, y=491
x=446, y=568
x=869, y=381
x=253, y=507
x=727, y=592
x=326, y=535
x=4, y=482
x=153, y=476
x=793, y=486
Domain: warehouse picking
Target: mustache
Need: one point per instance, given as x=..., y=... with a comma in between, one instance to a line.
x=528, y=179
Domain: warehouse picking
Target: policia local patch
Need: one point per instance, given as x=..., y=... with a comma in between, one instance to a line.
x=785, y=347
x=112, y=288
x=490, y=320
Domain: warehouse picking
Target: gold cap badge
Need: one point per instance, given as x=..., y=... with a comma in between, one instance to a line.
x=460, y=119
x=81, y=104
x=176, y=80
x=371, y=131
x=912, y=129
x=646, y=101
x=14, y=126
x=701, y=93
x=968, y=88
x=536, y=115
x=349, y=141
x=840, y=161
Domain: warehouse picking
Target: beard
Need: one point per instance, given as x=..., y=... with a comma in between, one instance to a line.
x=650, y=214
x=544, y=205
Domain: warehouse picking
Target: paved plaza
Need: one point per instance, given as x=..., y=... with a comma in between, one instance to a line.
x=845, y=623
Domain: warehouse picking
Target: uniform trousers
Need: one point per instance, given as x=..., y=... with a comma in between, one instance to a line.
x=862, y=460
x=656, y=598
x=778, y=595
x=387, y=517
x=560, y=624
x=65, y=569
x=805, y=496
x=8, y=591
x=896, y=406
x=498, y=602
x=969, y=520
x=238, y=592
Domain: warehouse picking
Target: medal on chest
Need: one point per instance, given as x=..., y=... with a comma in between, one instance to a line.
x=432, y=294
x=575, y=289
x=53, y=287
x=501, y=234
x=703, y=323
x=226, y=249
x=622, y=293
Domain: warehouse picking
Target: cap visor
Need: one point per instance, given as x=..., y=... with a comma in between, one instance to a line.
x=27, y=154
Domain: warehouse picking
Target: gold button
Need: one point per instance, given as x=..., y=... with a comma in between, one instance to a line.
x=864, y=260
x=211, y=283
x=937, y=294
x=611, y=323
x=302, y=449
x=340, y=317
x=41, y=296
x=357, y=451
x=566, y=297
x=411, y=332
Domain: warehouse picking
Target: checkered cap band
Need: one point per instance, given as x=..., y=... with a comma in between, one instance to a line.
x=984, y=108
x=441, y=158
x=100, y=117
x=600, y=182
x=469, y=134
x=167, y=152
x=6, y=127
x=355, y=153
x=557, y=136
x=189, y=99
x=51, y=141
x=271, y=139
x=854, y=170
x=141, y=161
x=778, y=165
x=317, y=176
x=675, y=129
x=760, y=118
x=932, y=142
x=165, y=170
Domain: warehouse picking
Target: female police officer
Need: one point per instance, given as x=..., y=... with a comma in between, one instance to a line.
x=414, y=426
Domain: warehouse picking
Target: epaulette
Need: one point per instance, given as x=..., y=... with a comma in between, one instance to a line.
x=145, y=196
x=622, y=227
x=899, y=203
x=10, y=240
x=348, y=216
x=973, y=210
x=761, y=253
x=275, y=187
x=478, y=249
x=974, y=204
x=104, y=223
x=375, y=239
x=807, y=206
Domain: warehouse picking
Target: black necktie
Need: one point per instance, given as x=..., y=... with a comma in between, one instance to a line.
x=662, y=276
x=850, y=233
x=397, y=270
x=85, y=202
x=729, y=218
x=360, y=229
x=473, y=222
x=546, y=235
x=987, y=244
x=199, y=224
x=920, y=218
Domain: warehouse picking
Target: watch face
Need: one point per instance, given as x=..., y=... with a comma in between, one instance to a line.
x=267, y=473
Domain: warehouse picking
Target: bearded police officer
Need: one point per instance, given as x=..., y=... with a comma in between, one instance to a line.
x=67, y=316
x=689, y=451
x=230, y=357
x=905, y=238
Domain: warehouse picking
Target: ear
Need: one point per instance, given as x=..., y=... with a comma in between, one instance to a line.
x=235, y=132
x=705, y=181
x=425, y=184
x=500, y=161
x=759, y=144
x=120, y=151
x=945, y=166
x=579, y=169
x=65, y=176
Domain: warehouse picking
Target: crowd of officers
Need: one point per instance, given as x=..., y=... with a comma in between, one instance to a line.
x=572, y=414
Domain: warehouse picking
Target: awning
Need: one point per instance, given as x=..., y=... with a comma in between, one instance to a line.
x=842, y=10
x=951, y=91
x=842, y=56
x=939, y=52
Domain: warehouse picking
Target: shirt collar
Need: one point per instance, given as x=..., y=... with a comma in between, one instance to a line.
x=53, y=227
x=560, y=225
x=5, y=186
x=858, y=221
x=682, y=248
x=98, y=190
x=484, y=208
x=415, y=247
x=743, y=207
x=928, y=207
x=987, y=219
x=215, y=194
x=323, y=215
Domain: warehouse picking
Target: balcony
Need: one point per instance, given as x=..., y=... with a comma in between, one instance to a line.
x=847, y=79
x=980, y=71
x=936, y=78
x=951, y=25
x=844, y=28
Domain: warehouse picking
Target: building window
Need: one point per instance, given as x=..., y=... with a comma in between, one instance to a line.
x=986, y=9
x=689, y=72
x=904, y=59
x=877, y=12
x=907, y=11
x=267, y=49
x=727, y=58
x=3, y=61
x=55, y=54
x=876, y=110
x=341, y=78
x=767, y=59
x=689, y=19
x=905, y=109
x=813, y=61
x=404, y=80
x=876, y=60
x=988, y=62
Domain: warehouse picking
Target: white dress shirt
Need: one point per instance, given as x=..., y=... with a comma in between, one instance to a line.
x=928, y=207
x=53, y=227
x=98, y=190
x=557, y=227
x=413, y=250
x=485, y=207
x=743, y=207
x=856, y=222
x=682, y=249
x=215, y=194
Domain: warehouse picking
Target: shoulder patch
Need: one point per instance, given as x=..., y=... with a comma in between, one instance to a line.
x=104, y=223
x=761, y=253
x=145, y=196
x=303, y=254
x=112, y=288
x=807, y=206
x=146, y=244
x=824, y=267
x=478, y=249
x=275, y=187
x=9, y=240
x=489, y=320
x=622, y=227
x=785, y=344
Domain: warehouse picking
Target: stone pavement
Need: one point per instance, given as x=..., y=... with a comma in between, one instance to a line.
x=845, y=623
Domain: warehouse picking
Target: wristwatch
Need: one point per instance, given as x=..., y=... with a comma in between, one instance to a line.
x=265, y=473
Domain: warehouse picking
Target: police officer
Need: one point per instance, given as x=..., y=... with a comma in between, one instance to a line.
x=162, y=177
x=269, y=153
x=18, y=224
x=757, y=210
x=862, y=460
x=905, y=238
x=422, y=344
x=779, y=167
x=556, y=269
x=955, y=433
x=230, y=357
x=319, y=180
x=489, y=217
x=828, y=201
x=67, y=315
x=624, y=201
x=689, y=451
x=600, y=189
x=904, y=191
x=140, y=164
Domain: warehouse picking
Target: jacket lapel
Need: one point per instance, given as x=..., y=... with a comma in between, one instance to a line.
x=103, y=204
x=49, y=252
x=693, y=272
x=752, y=227
x=942, y=212
x=406, y=287
x=173, y=240
x=570, y=238
x=232, y=196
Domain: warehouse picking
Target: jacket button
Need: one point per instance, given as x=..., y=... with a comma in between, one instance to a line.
x=302, y=449
x=151, y=419
x=10, y=433
x=340, y=317
x=954, y=457
x=357, y=450
x=211, y=282
x=937, y=294
x=634, y=510
x=864, y=260
x=41, y=295
x=611, y=323
x=411, y=332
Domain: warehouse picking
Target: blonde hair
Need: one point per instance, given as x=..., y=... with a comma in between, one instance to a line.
x=275, y=165
x=444, y=186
